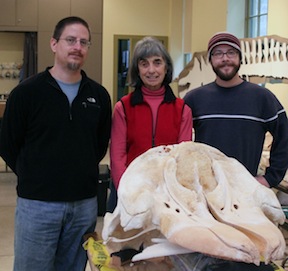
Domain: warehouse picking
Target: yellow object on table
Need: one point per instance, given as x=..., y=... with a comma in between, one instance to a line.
x=98, y=254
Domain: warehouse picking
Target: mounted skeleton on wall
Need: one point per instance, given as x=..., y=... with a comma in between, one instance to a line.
x=263, y=59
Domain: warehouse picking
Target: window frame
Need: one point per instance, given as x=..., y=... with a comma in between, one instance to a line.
x=250, y=30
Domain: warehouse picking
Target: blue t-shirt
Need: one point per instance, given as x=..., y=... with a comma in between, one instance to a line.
x=69, y=89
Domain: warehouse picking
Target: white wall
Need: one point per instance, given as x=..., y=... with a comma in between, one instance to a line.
x=137, y=17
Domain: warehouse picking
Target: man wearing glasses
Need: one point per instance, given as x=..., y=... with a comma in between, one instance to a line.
x=234, y=115
x=55, y=131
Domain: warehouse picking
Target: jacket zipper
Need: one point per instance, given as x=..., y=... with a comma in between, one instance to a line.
x=70, y=106
x=153, y=132
x=70, y=112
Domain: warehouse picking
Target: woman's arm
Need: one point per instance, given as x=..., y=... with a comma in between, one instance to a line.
x=186, y=125
x=118, y=145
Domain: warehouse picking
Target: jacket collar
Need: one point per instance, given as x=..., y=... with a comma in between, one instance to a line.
x=52, y=80
x=137, y=96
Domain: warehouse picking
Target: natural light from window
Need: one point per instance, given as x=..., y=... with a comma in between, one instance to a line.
x=257, y=14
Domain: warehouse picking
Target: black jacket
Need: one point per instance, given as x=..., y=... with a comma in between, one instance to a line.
x=55, y=148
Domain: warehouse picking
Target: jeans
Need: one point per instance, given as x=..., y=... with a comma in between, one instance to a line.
x=49, y=235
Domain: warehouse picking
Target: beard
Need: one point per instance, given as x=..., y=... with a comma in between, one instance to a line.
x=72, y=66
x=226, y=76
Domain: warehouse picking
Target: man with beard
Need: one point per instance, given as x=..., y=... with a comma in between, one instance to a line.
x=234, y=115
x=55, y=132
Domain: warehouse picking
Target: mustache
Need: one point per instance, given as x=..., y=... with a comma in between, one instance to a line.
x=76, y=54
x=226, y=65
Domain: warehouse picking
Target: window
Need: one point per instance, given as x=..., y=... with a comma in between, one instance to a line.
x=187, y=58
x=256, y=18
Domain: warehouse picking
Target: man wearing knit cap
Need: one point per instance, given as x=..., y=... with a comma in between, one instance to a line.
x=234, y=115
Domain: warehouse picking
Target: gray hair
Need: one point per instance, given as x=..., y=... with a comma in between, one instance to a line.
x=147, y=47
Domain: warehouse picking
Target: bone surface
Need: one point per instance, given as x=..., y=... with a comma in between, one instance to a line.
x=196, y=199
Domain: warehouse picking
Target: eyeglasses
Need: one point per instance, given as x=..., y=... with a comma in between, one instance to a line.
x=220, y=54
x=71, y=41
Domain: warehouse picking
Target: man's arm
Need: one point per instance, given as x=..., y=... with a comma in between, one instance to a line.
x=278, y=162
x=12, y=131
